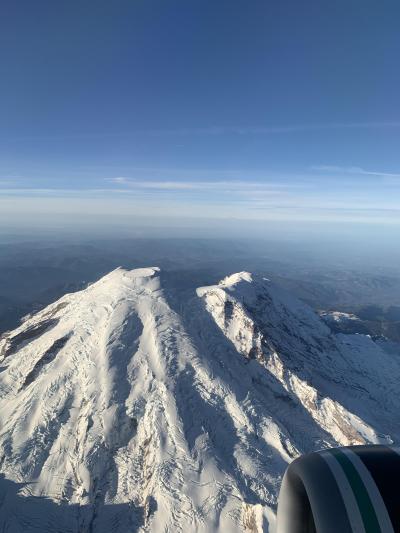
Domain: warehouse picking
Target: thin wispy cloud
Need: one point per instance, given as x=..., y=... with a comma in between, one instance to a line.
x=223, y=185
x=271, y=129
x=354, y=170
x=210, y=131
x=163, y=185
x=198, y=193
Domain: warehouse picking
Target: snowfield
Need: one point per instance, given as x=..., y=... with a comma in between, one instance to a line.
x=120, y=414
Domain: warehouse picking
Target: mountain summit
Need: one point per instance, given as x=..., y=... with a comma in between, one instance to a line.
x=119, y=413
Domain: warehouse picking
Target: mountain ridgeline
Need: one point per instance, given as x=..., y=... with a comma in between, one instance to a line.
x=120, y=412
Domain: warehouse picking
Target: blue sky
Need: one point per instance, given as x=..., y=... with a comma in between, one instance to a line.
x=185, y=110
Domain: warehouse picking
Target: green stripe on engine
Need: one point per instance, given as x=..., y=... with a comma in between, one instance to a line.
x=364, y=503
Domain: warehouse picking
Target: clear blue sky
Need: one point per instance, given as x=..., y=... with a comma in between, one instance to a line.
x=258, y=110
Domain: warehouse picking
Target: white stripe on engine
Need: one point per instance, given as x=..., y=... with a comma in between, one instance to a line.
x=353, y=512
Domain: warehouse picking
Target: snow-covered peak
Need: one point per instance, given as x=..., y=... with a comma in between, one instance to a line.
x=127, y=415
x=122, y=273
x=121, y=279
x=249, y=288
x=234, y=279
x=267, y=310
x=269, y=325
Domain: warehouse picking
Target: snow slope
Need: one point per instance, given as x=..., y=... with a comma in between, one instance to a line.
x=119, y=414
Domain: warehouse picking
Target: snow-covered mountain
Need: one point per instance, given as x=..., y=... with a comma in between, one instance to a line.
x=121, y=412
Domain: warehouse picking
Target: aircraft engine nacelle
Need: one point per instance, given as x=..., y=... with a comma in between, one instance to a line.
x=353, y=489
